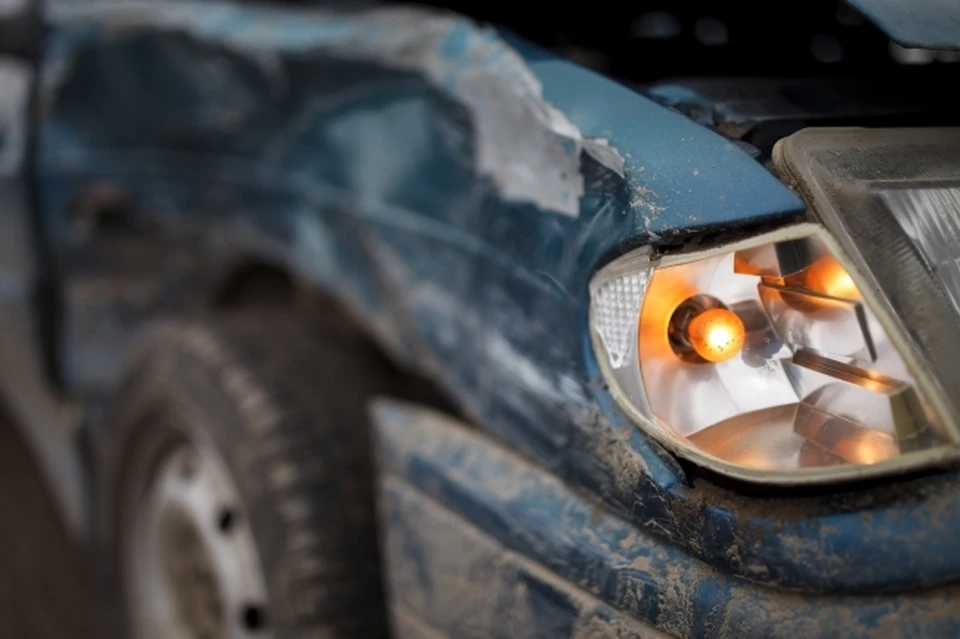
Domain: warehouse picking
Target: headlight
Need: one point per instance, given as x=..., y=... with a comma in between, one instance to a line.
x=773, y=359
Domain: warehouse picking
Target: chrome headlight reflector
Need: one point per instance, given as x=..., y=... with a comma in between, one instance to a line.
x=780, y=358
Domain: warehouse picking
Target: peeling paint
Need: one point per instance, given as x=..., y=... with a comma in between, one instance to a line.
x=527, y=147
x=506, y=268
x=377, y=171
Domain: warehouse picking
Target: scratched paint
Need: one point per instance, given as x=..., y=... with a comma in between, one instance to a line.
x=437, y=262
x=528, y=148
x=507, y=270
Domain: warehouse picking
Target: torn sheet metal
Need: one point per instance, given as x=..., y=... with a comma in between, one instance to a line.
x=680, y=176
x=528, y=148
x=361, y=179
x=531, y=113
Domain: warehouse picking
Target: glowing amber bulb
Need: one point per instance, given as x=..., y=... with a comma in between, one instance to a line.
x=828, y=276
x=716, y=334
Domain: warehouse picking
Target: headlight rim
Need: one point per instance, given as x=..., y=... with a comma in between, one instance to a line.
x=907, y=462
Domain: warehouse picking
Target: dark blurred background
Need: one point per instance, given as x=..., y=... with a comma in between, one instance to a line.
x=46, y=585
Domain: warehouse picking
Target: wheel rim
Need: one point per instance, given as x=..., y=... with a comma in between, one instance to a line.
x=192, y=566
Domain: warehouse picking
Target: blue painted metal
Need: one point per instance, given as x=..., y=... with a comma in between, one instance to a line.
x=246, y=132
x=920, y=23
x=447, y=576
x=680, y=177
x=534, y=514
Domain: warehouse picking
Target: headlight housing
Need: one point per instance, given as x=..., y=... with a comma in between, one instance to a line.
x=776, y=359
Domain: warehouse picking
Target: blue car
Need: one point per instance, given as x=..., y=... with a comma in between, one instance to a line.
x=368, y=320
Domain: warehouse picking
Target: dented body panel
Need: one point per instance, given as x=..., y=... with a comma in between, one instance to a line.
x=331, y=137
x=456, y=189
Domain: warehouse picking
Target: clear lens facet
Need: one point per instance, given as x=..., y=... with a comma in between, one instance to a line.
x=931, y=219
x=766, y=358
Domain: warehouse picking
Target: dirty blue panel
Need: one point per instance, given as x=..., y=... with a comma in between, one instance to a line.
x=459, y=582
x=387, y=186
x=919, y=23
x=680, y=177
x=532, y=513
x=826, y=542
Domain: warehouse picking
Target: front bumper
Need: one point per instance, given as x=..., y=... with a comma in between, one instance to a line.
x=481, y=543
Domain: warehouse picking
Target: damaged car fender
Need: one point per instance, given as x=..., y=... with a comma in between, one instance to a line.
x=456, y=188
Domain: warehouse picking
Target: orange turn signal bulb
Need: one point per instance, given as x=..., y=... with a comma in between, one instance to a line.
x=828, y=276
x=716, y=334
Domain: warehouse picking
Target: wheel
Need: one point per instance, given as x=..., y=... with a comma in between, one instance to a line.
x=236, y=484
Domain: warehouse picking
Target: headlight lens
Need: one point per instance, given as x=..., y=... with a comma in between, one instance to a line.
x=762, y=360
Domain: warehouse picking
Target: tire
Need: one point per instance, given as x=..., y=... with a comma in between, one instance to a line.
x=278, y=409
